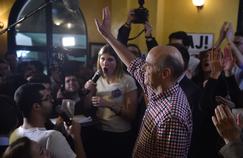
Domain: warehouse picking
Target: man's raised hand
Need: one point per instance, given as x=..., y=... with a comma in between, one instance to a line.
x=104, y=27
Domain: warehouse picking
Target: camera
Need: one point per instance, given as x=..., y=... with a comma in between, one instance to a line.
x=140, y=14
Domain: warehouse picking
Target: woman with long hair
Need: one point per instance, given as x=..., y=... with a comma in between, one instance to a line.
x=115, y=97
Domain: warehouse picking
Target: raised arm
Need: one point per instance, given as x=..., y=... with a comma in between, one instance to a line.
x=225, y=123
x=222, y=35
x=236, y=51
x=104, y=28
x=150, y=40
x=232, y=86
x=124, y=30
x=229, y=129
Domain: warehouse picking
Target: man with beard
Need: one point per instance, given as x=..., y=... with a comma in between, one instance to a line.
x=35, y=103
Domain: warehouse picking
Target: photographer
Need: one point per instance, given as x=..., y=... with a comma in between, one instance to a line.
x=124, y=31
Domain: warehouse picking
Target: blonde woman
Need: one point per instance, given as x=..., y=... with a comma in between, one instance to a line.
x=115, y=96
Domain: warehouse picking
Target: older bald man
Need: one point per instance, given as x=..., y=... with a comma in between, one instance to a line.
x=167, y=123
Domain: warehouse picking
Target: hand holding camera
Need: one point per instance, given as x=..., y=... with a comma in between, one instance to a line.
x=139, y=15
x=148, y=29
x=130, y=17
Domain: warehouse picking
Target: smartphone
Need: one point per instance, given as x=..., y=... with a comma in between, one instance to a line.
x=222, y=100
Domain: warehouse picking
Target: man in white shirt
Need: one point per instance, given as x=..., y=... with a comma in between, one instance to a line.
x=35, y=102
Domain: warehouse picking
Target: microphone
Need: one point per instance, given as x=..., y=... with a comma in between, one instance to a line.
x=95, y=78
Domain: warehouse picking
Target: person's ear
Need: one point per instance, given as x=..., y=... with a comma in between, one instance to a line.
x=36, y=106
x=165, y=73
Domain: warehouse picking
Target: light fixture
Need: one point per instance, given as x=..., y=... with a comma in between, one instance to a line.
x=57, y=22
x=68, y=41
x=198, y=3
x=22, y=53
x=69, y=25
x=1, y=24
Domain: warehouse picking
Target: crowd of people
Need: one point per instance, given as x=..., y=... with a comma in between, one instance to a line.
x=153, y=105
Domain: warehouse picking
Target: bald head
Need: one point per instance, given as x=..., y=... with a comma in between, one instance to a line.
x=167, y=56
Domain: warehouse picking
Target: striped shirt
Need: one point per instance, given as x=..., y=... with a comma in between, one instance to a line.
x=167, y=123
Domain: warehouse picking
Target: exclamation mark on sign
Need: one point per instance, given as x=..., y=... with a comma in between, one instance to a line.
x=206, y=42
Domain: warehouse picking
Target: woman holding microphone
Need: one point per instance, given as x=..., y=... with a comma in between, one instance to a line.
x=115, y=96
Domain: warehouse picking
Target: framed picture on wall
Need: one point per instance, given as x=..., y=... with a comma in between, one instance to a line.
x=94, y=49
